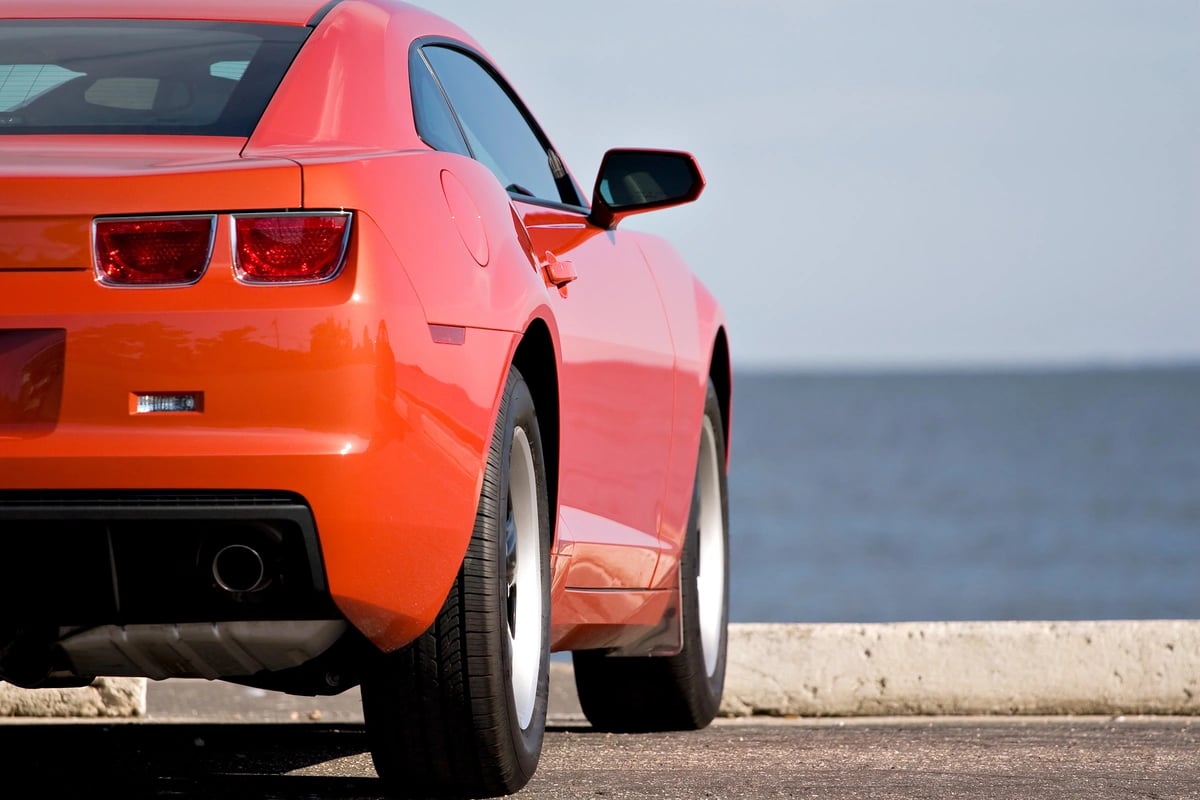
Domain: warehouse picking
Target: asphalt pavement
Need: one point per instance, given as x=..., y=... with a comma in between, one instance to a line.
x=214, y=740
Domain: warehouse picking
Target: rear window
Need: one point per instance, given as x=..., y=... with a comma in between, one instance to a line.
x=139, y=76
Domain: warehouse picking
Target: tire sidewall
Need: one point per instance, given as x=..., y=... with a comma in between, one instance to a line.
x=709, y=700
x=520, y=413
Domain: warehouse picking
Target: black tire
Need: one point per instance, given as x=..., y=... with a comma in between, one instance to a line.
x=445, y=715
x=680, y=692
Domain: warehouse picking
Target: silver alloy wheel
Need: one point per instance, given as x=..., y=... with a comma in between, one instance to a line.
x=524, y=578
x=710, y=573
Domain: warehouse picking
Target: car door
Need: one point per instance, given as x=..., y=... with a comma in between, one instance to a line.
x=616, y=371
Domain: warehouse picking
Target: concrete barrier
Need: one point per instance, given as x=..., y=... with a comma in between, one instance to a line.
x=895, y=669
x=105, y=697
x=951, y=668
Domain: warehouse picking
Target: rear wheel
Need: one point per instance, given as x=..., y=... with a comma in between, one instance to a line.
x=462, y=710
x=680, y=692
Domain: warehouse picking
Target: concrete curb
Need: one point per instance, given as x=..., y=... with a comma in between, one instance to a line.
x=895, y=669
x=105, y=697
x=964, y=668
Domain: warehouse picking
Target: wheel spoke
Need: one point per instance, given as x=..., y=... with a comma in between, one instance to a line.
x=510, y=546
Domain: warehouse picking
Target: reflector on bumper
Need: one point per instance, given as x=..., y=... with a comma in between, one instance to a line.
x=166, y=403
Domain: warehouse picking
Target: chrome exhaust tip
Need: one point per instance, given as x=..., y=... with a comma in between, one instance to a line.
x=239, y=569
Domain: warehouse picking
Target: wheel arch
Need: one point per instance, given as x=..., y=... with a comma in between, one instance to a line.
x=536, y=359
x=720, y=370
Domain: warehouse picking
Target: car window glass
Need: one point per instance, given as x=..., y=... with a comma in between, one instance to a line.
x=140, y=76
x=435, y=122
x=499, y=134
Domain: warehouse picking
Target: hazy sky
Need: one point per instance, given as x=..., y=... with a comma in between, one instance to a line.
x=898, y=183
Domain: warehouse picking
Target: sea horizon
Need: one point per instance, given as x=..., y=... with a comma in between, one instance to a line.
x=1032, y=492
x=965, y=366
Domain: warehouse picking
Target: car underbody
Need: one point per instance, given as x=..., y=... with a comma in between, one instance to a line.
x=158, y=584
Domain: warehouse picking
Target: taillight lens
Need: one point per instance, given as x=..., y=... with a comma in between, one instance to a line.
x=290, y=248
x=153, y=251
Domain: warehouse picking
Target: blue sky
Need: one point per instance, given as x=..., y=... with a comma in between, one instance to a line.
x=934, y=182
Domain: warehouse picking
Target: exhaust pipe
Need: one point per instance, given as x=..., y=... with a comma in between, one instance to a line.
x=239, y=569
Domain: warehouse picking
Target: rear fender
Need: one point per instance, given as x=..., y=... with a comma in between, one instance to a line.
x=452, y=228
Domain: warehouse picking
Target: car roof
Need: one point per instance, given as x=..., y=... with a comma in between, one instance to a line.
x=282, y=12
x=287, y=12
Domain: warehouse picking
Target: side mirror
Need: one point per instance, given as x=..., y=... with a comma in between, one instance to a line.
x=634, y=181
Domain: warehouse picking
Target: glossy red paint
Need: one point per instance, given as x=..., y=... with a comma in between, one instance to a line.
x=334, y=391
x=371, y=396
x=616, y=384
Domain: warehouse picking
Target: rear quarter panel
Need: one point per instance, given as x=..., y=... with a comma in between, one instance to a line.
x=447, y=387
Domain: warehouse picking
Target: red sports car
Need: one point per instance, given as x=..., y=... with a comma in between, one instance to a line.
x=319, y=369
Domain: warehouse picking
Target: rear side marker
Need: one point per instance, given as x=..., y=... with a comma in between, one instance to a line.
x=448, y=334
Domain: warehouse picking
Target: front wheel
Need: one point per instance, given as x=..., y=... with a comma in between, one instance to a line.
x=462, y=710
x=680, y=692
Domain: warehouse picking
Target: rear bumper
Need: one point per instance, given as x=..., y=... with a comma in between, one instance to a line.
x=381, y=513
x=383, y=482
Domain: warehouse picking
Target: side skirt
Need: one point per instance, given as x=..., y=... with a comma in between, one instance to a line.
x=628, y=622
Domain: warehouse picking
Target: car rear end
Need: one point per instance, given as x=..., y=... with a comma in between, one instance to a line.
x=199, y=412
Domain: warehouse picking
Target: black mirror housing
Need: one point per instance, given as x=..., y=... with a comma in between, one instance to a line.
x=634, y=181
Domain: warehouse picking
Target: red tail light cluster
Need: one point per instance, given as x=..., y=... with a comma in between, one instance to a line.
x=289, y=248
x=153, y=251
x=280, y=248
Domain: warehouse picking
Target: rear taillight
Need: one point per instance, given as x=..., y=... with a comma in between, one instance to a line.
x=153, y=251
x=290, y=248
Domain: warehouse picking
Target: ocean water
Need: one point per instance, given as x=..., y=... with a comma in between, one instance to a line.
x=989, y=495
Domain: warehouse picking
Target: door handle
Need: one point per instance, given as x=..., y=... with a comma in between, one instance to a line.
x=560, y=273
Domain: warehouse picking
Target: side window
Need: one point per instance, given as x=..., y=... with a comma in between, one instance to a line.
x=434, y=119
x=497, y=131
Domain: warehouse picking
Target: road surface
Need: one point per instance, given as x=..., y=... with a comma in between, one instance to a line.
x=219, y=742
